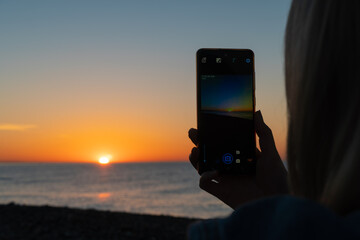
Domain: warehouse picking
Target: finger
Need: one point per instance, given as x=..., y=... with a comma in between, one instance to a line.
x=193, y=135
x=194, y=158
x=258, y=153
x=266, y=138
x=207, y=184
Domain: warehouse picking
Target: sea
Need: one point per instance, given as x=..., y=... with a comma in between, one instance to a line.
x=166, y=188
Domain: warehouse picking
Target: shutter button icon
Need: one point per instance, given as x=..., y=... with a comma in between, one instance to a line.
x=227, y=158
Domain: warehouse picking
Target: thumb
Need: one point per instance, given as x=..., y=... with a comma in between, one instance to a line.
x=266, y=138
x=208, y=184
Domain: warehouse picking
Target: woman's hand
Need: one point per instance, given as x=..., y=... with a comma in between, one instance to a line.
x=234, y=190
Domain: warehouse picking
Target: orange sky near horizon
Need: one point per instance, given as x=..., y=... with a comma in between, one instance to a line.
x=83, y=79
x=127, y=140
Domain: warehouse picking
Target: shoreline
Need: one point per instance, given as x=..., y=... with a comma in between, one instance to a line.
x=48, y=222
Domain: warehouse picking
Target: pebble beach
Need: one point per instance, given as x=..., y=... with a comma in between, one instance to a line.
x=47, y=222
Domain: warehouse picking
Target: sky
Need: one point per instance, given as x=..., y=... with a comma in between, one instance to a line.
x=82, y=79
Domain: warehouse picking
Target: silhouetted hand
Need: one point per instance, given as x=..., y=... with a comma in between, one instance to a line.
x=234, y=190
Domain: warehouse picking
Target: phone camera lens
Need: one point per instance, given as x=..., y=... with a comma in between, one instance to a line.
x=247, y=60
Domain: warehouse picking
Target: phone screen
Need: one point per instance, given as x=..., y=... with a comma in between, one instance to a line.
x=226, y=102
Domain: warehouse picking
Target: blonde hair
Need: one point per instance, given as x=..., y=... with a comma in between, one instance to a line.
x=322, y=72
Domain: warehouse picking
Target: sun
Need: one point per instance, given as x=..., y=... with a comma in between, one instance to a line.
x=104, y=159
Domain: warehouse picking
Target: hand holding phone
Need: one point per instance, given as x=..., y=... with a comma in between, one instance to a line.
x=234, y=190
x=225, y=140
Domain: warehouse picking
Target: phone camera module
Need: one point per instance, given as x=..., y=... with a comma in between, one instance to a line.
x=247, y=60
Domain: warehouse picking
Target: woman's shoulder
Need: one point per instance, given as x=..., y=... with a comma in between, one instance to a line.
x=282, y=217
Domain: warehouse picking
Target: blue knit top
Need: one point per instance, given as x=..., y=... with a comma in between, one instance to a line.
x=277, y=218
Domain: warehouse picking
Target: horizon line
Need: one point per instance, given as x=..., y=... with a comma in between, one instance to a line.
x=91, y=162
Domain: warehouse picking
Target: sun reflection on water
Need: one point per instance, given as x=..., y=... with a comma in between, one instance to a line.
x=104, y=195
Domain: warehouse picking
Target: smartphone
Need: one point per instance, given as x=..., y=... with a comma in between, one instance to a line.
x=225, y=110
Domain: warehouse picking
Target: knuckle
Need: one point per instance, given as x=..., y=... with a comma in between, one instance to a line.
x=194, y=151
x=190, y=132
x=202, y=184
x=267, y=130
